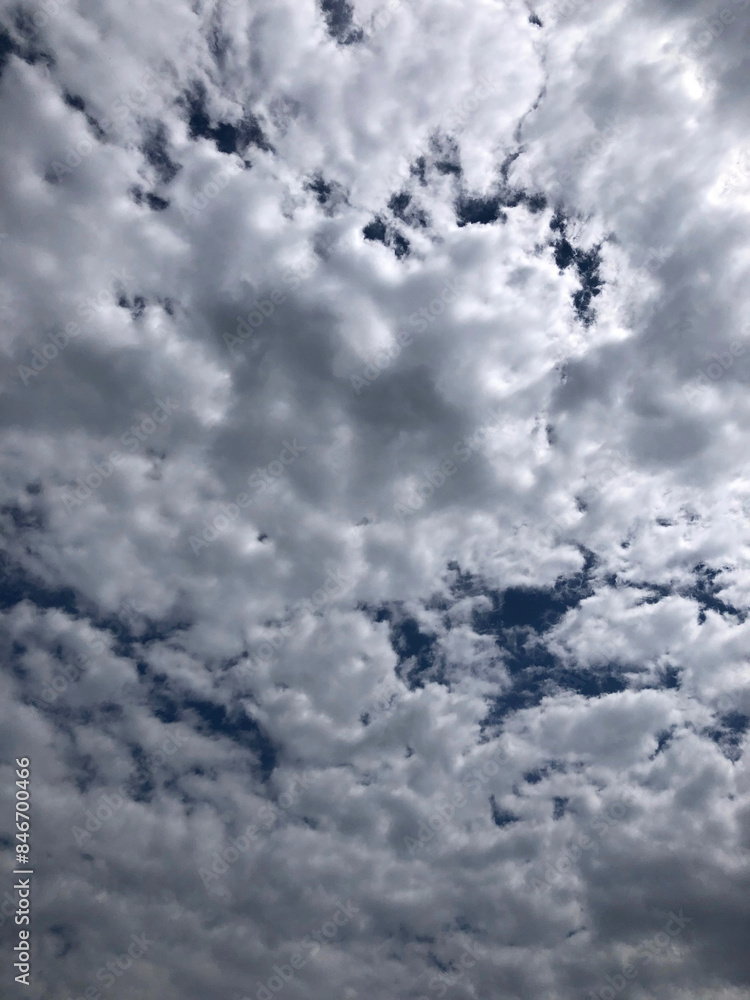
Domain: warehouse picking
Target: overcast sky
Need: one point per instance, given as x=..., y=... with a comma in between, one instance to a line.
x=374, y=497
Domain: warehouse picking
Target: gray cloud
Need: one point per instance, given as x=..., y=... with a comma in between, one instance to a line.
x=280, y=636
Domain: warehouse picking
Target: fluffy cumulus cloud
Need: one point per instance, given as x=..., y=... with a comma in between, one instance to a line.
x=375, y=555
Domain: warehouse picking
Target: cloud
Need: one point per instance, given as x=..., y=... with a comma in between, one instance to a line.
x=242, y=209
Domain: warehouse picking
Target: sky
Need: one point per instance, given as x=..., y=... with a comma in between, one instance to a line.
x=374, y=498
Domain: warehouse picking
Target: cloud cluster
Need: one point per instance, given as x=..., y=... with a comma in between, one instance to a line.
x=466, y=591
